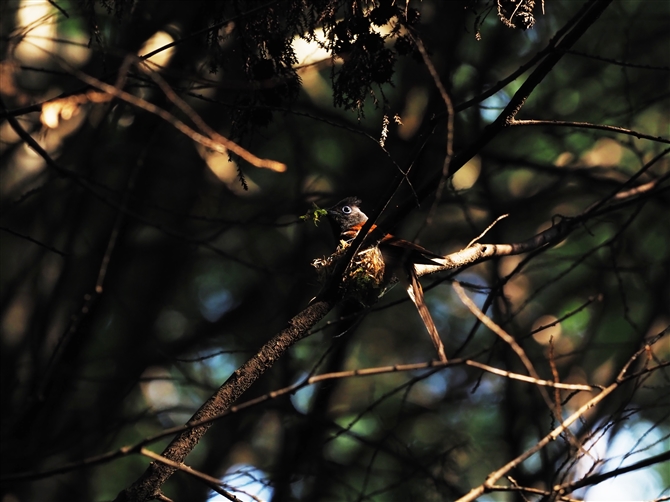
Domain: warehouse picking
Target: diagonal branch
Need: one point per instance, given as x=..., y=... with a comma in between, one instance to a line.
x=215, y=141
x=489, y=484
x=599, y=478
x=33, y=240
x=477, y=253
x=573, y=31
x=206, y=129
x=210, y=481
x=496, y=329
x=324, y=377
x=149, y=484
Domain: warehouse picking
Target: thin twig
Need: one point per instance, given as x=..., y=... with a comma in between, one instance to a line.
x=599, y=478
x=449, y=155
x=60, y=9
x=220, y=144
x=213, y=483
x=34, y=241
x=617, y=62
x=477, y=253
x=507, y=338
x=488, y=485
x=496, y=475
x=502, y=217
x=203, y=126
x=363, y=372
x=587, y=125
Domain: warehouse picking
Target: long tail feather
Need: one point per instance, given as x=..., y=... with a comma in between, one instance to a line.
x=415, y=292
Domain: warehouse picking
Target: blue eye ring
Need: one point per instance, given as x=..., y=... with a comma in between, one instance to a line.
x=346, y=209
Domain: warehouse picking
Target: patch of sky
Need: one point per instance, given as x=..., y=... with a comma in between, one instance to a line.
x=532, y=39
x=246, y=482
x=221, y=366
x=636, y=441
x=490, y=108
x=443, y=300
x=440, y=309
x=489, y=391
x=479, y=295
x=298, y=488
x=435, y=385
x=214, y=301
x=302, y=398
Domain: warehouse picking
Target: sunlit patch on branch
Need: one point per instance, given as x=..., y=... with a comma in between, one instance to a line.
x=66, y=108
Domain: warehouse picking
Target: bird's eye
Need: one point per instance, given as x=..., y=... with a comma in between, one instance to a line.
x=346, y=209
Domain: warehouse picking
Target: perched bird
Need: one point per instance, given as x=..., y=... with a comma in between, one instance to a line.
x=399, y=259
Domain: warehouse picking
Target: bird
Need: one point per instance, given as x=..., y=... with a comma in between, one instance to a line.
x=399, y=256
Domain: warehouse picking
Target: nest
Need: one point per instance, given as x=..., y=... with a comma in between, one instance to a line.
x=364, y=279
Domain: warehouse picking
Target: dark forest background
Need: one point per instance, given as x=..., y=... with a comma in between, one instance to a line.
x=155, y=159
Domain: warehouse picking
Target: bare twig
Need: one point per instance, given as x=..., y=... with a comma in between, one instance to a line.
x=218, y=143
x=204, y=127
x=599, y=478
x=34, y=241
x=551, y=47
x=89, y=186
x=149, y=483
x=619, y=63
x=535, y=381
x=502, y=217
x=213, y=483
x=592, y=210
x=449, y=155
x=489, y=485
x=564, y=39
x=476, y=253
x=60, y=9
x=38, y=106
x=638, y=190
x=486, y=321
x=363, y=372
x=587, y=125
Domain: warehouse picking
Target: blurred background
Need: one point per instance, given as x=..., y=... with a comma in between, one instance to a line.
x=140, y=268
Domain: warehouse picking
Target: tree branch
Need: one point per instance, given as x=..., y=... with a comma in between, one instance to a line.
x=149, y=484
x=577, y=27
x=489, y=485
x=599, y=478
x=587, y=125
x=34, y=241
x=210, y=481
